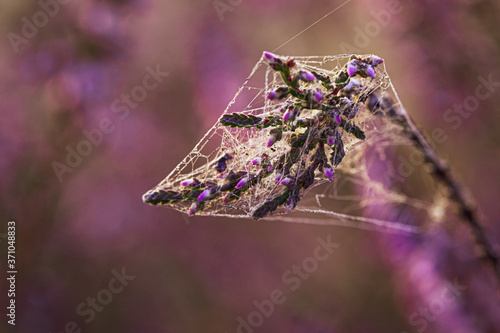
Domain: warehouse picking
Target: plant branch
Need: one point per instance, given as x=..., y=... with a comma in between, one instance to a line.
x=442, y=172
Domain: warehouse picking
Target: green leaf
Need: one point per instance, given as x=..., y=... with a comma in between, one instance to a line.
x=240, y=120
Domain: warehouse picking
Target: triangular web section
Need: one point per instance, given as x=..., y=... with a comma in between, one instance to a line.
x=296, y=123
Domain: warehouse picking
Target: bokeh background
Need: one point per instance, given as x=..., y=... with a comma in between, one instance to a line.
x=201, y=274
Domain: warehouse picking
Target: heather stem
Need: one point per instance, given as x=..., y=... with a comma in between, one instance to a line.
x=442, y=172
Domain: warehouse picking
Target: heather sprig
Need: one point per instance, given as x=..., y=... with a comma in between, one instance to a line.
x=310, y=113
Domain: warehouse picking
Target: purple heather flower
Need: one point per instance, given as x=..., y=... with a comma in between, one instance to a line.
x=318, y=96
x=286, y=181
x=256, y=160
x=193, y=208
x=242, y=183
x=306, y=76
x=337, y=118
x=290, y=114
x=377, y=60
x=287, y=116
x=270, y=57
x=330, y=140
x=370, y=71
x=270, y=168
x=352, y=68
x=190, y=182
x=328, y=172
x=205, y=195
x=278, y=93
x=273, y=60
x=272, y=140
x=272, y=95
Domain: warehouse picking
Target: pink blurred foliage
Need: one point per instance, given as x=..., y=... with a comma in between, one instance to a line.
x=200, y=274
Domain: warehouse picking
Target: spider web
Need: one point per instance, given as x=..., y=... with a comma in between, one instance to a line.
x=366, y=180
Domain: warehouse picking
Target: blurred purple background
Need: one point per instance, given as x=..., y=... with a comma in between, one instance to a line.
x=66, y=70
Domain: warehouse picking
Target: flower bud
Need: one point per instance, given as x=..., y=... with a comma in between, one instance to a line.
x=352, y=68
x=190, y=182
x=318, y=96
x=338, y=118
x=278, y=93
x=376, y=60
x=242, y=183
x=370, y=71
x=276, y=62
x=328, y=172
x=287, y=116
x=206, y=195
x=306, y=76
x=270, y=57
x=330, y=140
x=286, y=181
x=256, y=161
x=272, y=140
x=193, y=208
